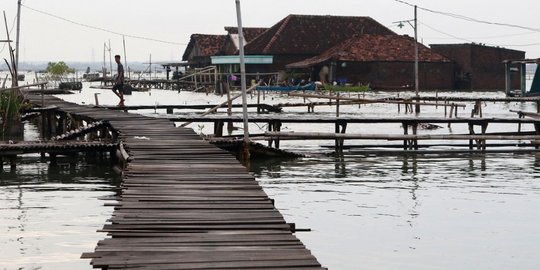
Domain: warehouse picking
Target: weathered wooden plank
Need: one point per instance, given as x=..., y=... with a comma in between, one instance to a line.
x=186, y=204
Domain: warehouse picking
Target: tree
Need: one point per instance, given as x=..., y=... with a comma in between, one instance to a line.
x=58, y=69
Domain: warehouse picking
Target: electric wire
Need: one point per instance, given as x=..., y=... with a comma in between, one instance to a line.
x=462, y=17
x=100, y=28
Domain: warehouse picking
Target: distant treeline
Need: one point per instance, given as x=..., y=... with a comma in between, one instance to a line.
x=80, y=66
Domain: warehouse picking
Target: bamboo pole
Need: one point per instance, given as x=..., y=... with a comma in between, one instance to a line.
x=363, y=100
x=222, y=104
x=390, y=137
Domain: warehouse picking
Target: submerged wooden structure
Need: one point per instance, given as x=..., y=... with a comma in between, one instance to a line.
x=185, y=204
x=477, y=127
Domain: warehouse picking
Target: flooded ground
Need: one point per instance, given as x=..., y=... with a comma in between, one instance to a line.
x=440, y=211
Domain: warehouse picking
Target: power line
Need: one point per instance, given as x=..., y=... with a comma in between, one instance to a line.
x=462, y=17
x=468, y=40
x=102, y=29
x=444, y=33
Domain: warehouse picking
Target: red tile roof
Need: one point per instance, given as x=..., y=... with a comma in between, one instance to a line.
x=374, y=48
x=208, y=45
x=310, y=34
x=250, y=33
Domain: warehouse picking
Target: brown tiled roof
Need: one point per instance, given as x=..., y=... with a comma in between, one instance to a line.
x=250, y=33
x=310, y=34
x=208, y=45
x=374, y=48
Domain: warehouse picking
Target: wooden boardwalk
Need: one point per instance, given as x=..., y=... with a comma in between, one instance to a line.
x=186, y=204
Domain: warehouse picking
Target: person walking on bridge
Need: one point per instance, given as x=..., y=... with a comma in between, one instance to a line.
x=119, y=81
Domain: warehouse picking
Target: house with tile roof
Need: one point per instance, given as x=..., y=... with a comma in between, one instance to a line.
x=202, y=47
x=354, y=50
x=297, y=37
x=383, y=61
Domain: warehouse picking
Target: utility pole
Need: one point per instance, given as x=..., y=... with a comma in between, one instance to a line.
x=18, y=34
x=416, y=86
x=414, y=25
x=125, y=58
x=245, y=154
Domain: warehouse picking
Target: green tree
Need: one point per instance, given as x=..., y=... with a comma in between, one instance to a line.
x=58, y=68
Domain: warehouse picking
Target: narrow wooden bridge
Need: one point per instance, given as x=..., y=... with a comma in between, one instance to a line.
x=186, y=204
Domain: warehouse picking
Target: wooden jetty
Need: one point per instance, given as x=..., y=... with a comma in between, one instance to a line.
x=409, y=124
x=185, y=204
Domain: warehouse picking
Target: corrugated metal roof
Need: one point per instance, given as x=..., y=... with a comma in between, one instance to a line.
x=374, y=48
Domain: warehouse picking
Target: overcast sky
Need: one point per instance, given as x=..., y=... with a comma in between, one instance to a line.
x=46, y=38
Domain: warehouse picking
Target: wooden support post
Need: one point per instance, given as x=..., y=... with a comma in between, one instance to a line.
x=480, y=109
x=471, y=132
x=337, y=105
x=341, y=128
x=170, y=110
x=13, y=163
x=484, y=129
x=537, y=130
x=414, y=130
x=337, y=141
x=258, y=101
x=218, y=128
x=405, y=132
x=277, y=128
x=270, y=129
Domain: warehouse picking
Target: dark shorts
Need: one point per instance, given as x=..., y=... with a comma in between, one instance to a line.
x=118, y=87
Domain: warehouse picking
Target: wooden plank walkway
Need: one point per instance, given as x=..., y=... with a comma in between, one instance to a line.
x=187, y=204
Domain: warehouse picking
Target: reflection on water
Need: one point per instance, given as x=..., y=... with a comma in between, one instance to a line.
x=49, y=215
x=412, y=212
x=441, y=211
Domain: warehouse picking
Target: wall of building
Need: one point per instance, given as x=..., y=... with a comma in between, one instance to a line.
x=397, y=75
x=488, y=71
x=479, y=67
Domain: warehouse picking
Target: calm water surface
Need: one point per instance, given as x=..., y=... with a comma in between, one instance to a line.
x=49, y=215
x=365, y=212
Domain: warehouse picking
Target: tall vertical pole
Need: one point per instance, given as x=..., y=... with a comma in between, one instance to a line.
x=125, y=58
x=104, y=61
x=110, y=58
x=416, y=86
x=243, y=80
x=18, y=34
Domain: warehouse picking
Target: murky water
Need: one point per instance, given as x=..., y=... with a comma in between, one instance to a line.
x=424, y=212
x=365, y=212
x=49, y=214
